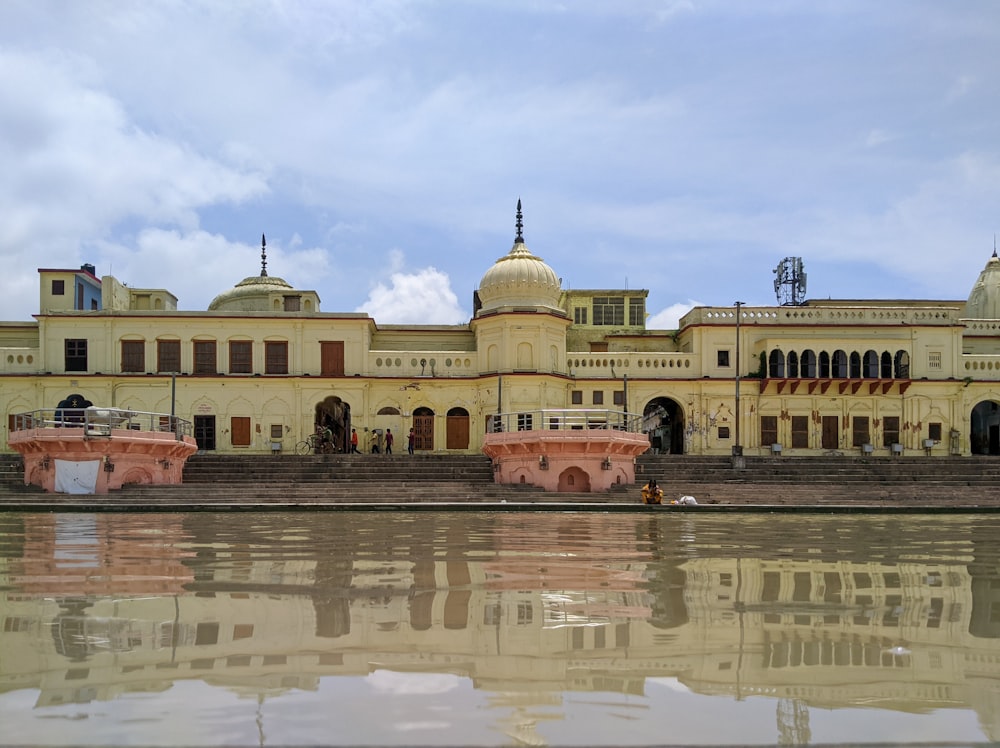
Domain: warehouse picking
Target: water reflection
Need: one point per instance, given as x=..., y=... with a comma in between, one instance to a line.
x=538, y=612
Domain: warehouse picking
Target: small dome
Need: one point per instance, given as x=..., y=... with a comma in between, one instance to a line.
x=984, y=301
x=519, y=278
x=249, y=295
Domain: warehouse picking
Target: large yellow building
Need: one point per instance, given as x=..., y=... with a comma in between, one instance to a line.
x=264, y=365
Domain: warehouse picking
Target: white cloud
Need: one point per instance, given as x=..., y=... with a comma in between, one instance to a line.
x=421, y=297
x=405, y=684
x=668, y=319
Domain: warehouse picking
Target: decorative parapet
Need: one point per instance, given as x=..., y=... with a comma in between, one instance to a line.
x=422, y=364
x=636, y=364
x=981, y=366
x=19, y=360
x=982, y=327
x=824, y=315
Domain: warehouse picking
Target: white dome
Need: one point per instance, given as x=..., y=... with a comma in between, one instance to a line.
x=519, y=279
x=984, y=301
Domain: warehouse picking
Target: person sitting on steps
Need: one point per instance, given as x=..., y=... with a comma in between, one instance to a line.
x=652, y=493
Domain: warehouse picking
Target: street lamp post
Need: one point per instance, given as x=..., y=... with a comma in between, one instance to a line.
x=738, y=461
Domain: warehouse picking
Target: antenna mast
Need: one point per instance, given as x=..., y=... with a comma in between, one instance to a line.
x=790, y=282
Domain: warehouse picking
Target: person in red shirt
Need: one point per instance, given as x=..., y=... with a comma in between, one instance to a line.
x=354, y=441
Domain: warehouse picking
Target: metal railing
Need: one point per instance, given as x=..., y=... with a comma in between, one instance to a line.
x=96, y=421
x=565, y=419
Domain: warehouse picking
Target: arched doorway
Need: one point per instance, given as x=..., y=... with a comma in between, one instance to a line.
x=335, y=413
x=663, y=420
x=574, y=479
x=423, y=429
x=984, y=438
x=458, y=429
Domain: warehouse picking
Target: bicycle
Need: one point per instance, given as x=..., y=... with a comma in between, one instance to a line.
x=312, y=444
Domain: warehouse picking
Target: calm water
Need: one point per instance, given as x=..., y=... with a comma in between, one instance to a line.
x=454, y=628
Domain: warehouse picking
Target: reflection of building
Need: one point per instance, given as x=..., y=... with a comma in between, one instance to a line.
x=263, y=366
x=268, y=609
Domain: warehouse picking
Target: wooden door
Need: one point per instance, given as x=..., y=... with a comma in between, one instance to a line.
x=331, y=358
x=458, y=429
x=423, y=432
x=239, y=431
x=831, y=432
x=800, y=432
x=204, y=432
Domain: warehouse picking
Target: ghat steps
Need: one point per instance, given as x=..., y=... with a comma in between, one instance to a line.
x=215, y=479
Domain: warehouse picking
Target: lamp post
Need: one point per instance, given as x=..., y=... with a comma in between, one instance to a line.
x=738, y=462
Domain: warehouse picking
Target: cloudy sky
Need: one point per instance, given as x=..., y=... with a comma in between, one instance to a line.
x=682, y=146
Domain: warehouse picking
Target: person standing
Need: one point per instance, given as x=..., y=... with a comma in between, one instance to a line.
x=409, y=441
x=388, y=441
x=354, y=441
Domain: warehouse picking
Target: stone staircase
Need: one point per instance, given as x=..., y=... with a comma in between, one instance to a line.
x=917, y=481
x=214, y=480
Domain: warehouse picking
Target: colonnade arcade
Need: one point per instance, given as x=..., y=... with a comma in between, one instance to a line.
x=837, y=365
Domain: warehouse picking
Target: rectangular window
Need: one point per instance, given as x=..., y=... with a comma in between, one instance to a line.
x=637, y=312
x=524, y=421
x=525, y=613
x=934, y=431
x=206, y=633
x=722, y=358
x=133, y=356
x=934, y=360
x=890, y=431
x=609, y=310
x=205, y=361
x=859, y=427
x=240, y=357
x=58, y=288
x=576, y=397
x=768, y=430
x=800, y=432
x=293, y=303
x=276, y=431
x=168, y=356
x=580, y=315
x=723, y=432
x=76, y=355
x=618, y=397
x=598, y=397
x=276, y=357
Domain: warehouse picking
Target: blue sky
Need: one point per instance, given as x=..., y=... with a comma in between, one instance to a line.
x=683, y=146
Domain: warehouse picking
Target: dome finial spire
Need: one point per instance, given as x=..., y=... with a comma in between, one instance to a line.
x=263, y=256
x=519, y=238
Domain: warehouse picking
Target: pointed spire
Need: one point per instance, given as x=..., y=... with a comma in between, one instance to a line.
x=994, y=245
x=263, y=256
x=519, y=239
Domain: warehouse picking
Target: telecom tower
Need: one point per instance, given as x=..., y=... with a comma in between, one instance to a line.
x=790, y=282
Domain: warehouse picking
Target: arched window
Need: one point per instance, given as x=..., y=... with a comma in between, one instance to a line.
x=793, y=364
x=869, y=366
x=902, y=365
x=824, y=365
x=855, y=365
x=807, y=366
x=776, y=364
x=838, y=366
x=886, y=365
